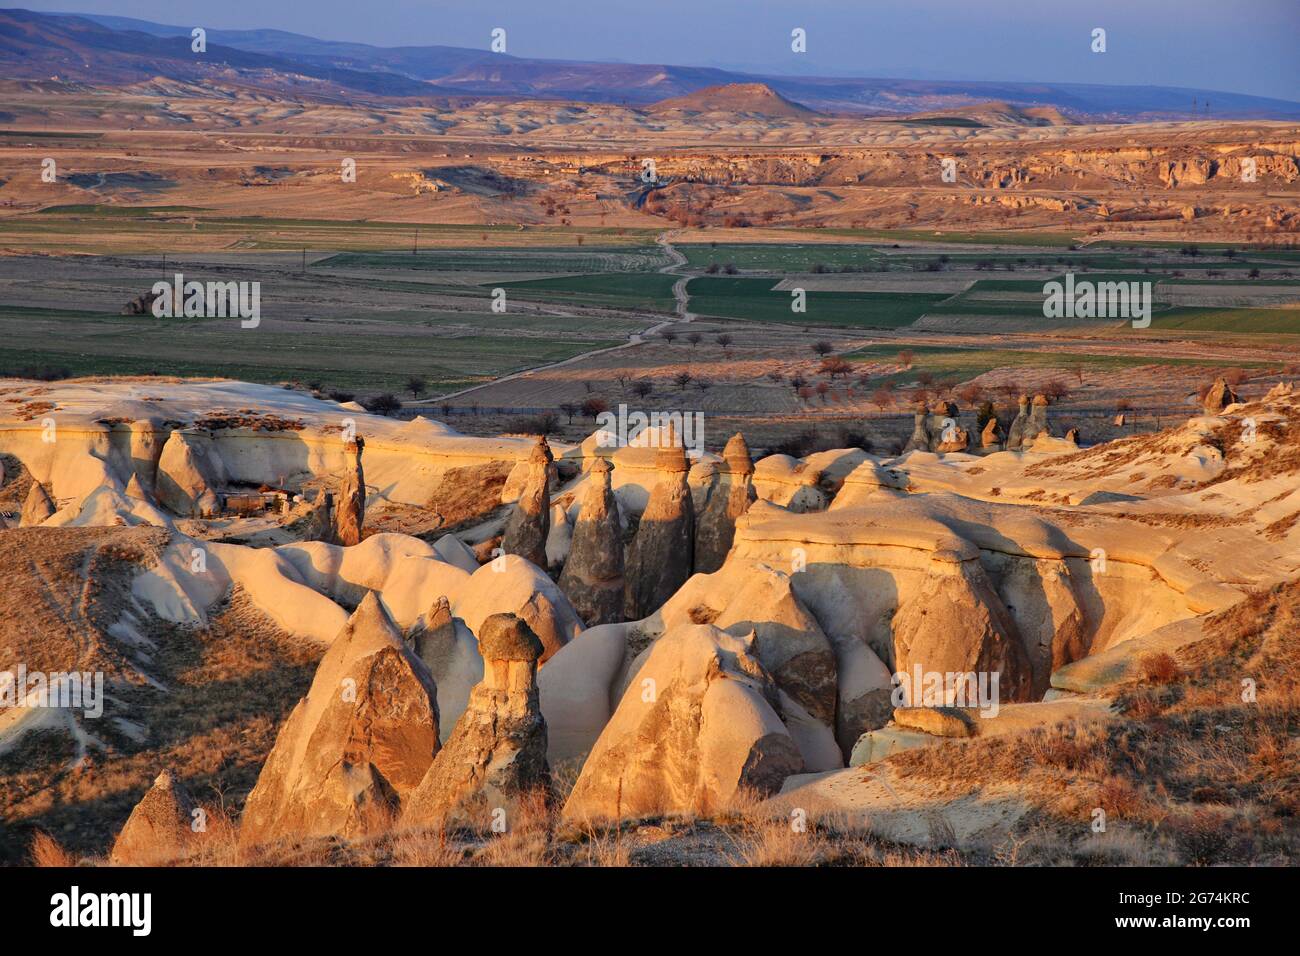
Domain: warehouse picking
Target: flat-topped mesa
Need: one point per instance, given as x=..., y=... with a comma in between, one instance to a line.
x=497, y=751
x=730, y=497
x=350, y=513
x=1219, y=397
x=530, y=521
x=593, y=574
x=662, y=554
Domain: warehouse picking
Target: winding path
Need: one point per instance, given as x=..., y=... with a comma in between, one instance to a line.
x=680, y=294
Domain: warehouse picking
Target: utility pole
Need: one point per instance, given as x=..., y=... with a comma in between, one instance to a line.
x=415, y=246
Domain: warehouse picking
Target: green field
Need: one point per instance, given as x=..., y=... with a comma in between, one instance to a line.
x=631, y=290
x=961, y=364
x=1229, y=320
x=756, y=301
x=762, y=257
x=448, y=350
x=533, y=259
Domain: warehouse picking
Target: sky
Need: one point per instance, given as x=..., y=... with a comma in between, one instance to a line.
x=1242, y=46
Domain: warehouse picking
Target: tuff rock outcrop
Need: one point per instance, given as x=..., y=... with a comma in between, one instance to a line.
x=662, y=554
x=991, y=437
x=1219, y=397
x=1016, y=433
x=165, y=825
x=37, y=508
x=530, y=521
x=188, y=475
x=450, y=651
x=496, y=753
x=356, y=746
x=593, y=574
x=350, y=508
x=729, y=498
x=956, y=623
x=697, y=723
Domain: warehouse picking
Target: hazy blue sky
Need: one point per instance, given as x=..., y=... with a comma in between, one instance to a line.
x=1246, y=46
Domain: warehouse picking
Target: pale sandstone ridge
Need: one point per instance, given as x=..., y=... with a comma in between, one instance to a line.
x=497, y=751
x=697, y=723
x=593, y=574
x=529, y=525
x=356, y=746
x=162, y=827
x=661, y=556
x=729, y=497
x=350, y=512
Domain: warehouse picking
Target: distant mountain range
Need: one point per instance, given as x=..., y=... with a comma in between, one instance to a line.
x=113, y=51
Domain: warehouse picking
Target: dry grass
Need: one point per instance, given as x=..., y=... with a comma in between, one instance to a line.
x=46, y=852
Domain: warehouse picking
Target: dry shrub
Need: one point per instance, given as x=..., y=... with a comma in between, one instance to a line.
x=1159, y=668
x=46, y=852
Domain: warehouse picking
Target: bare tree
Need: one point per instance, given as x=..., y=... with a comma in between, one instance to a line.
x=683, y=379
x=822, y=347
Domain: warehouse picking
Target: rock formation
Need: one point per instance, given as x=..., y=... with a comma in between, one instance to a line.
x=529, y=525
x=1036, y=424
x=593, y=575
x=1219, y=397
x=134, y=489
x=497, y=750
x=37, y=508
x=356, y=746
x=731, y=496
x=920, y=439
x=350, y=512
x=956, y=623
x=164, y=825
x=662, y=554
x=991, y=437
x=698, y=722
x=450, y=651
x=188, y=476
x=790, y=644
x=1016, y=433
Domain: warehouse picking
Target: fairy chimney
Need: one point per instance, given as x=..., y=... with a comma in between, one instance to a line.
x=732, y=494
x=530, y=521
x=661, y=557
x=593, y=574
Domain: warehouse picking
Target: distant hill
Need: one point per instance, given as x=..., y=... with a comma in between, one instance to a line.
x=991, y=114
x=756, y=99
x=111, y=51
x=36, y=46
